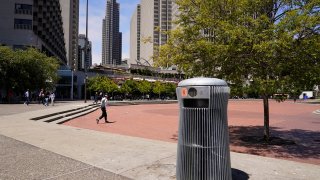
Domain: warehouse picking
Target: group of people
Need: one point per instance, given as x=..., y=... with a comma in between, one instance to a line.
x=43, y=97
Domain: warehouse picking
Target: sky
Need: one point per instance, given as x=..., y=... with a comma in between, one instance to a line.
x=96, y=13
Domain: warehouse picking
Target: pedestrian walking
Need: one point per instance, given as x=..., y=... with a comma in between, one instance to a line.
x=104, y=102
x=46, y=99
x=100, y=96
x=27, y=96
x=52, y=96
x=41, y=97
x=96, y=98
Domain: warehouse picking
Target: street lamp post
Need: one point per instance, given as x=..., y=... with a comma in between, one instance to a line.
x=85, y=55
x=71, y=92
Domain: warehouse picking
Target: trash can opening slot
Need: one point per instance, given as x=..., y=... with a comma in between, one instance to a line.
x=196, y=103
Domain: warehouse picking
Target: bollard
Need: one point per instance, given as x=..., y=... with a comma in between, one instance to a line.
x=203, y=142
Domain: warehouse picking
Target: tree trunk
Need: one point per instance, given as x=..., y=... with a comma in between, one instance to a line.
x=266, y=135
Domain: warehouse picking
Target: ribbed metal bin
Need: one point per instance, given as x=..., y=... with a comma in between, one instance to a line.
x=203, y=142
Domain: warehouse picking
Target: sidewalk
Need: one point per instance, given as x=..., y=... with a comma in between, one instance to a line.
x=109, y=156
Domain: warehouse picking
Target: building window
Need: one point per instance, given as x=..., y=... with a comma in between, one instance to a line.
x=22, y=24
x=23, y=9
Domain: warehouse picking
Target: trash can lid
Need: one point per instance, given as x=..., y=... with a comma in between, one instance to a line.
x=202, y=81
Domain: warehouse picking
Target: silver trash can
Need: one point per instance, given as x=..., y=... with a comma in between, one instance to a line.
x=203, y=141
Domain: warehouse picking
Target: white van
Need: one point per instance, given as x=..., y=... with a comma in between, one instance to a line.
x=308, y=94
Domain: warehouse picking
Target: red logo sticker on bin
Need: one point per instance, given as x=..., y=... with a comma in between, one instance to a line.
x=184, y=92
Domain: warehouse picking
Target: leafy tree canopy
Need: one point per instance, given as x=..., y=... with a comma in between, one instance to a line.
x=158, y=88
x=274, y=43
x=102, y=83
x=271, y=44
x=27, y=69
x=144, y=86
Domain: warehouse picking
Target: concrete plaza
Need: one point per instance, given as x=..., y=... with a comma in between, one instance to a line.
x=140, y=144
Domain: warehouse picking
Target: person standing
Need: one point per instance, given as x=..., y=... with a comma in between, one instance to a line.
x=52, y=96
x=104, y=102
x=27, y=95
x=46, y=98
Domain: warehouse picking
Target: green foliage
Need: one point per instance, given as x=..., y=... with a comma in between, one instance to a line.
x=273, y=43
x=164, y=88
x=102, y=83
x=170, y=89
x=129, y=86
x=144, y=86
x=6, y=65
x=158, y=88
x=27, y=69
x=125, y=88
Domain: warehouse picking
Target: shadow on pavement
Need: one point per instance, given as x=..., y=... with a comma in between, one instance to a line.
x=239, y=175
x=110, y=122
x=295, y=144
x=287, y=144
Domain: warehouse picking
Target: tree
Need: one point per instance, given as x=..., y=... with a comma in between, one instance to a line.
x=144, y=87
x=125, y=89
x=158, y=88
x=6, y=64
x=170, y=89
x=129, y=87
x=102, y=83
x=273, y=44
x=27, y=69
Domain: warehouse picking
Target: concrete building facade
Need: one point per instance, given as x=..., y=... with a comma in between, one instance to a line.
x=70, y=17
x=111, y=37
x=33, y=23
x=154, y=20
x=135, y=36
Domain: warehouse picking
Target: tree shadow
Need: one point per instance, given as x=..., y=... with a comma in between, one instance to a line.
x=294, y=143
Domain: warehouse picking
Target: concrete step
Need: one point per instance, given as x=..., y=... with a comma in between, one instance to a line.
x=57, y=117
x=60, y=112
x=68, y=118
x=66, y=115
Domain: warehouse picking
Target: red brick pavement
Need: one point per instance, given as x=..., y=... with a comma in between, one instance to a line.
x=288, y=120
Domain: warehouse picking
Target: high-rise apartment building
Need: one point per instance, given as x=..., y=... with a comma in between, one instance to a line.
x=111, y=37
x=149, y=23
x=70, y=18
x=135, y=31
x=33, y=23
x=82, y=60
